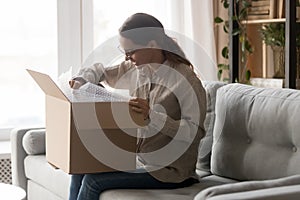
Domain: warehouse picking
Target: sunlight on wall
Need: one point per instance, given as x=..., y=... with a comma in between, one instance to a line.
x=109, y=18
x=28, y=38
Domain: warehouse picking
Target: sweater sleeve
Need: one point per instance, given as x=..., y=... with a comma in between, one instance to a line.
x=97, y=73
x=193, y=115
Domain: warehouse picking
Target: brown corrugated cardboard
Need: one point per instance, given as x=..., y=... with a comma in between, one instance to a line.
x=88, y=137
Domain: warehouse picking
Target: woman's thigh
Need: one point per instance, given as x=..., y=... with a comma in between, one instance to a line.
x=94, y=184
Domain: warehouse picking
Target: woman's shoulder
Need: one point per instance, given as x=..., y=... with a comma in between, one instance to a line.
x=125, y=65
x=186, y=71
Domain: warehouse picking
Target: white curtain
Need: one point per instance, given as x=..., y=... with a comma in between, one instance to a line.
x=189, y=21
x=193, y=20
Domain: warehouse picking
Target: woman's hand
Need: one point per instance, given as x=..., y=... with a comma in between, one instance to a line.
x=141, y=106
x=75, y=84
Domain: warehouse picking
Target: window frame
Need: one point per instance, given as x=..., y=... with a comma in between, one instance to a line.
x=75, y=33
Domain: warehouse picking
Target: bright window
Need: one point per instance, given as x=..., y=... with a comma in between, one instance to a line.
x=28, y=39
x=107, y=19
x=109, y=16
x=52, y=36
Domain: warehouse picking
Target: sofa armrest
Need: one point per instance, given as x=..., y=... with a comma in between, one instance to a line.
x=247, y=186
x=18, y=155
x=279, y=193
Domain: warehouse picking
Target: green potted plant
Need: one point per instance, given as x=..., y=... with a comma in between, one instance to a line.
x=240, y=15
x=273, y=35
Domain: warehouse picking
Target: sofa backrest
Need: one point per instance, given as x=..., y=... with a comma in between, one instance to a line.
x=257, y=133
x=205, y=146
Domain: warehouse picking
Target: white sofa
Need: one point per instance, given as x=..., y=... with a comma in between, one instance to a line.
x=250, y=151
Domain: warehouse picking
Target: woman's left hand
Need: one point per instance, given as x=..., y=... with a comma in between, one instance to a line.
x=141, y=106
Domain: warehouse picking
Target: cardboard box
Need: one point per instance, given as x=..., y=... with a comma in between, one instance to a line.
x=88, y=137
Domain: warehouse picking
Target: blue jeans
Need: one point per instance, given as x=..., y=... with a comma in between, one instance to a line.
x=90, y=186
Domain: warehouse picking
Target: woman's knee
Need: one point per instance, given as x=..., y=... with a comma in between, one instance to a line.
x=91, y=182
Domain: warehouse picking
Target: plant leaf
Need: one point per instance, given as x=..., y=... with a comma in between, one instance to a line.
x=223, y=66
x=248, y=75
x=226, y=4
x=246, y=3
x=248, y=46
x=218, y=20
x=236, y=31
x=220, y=74
x=225, y=52
x=225, y=29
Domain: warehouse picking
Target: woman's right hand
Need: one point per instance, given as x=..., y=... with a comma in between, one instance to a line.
x=75, y=84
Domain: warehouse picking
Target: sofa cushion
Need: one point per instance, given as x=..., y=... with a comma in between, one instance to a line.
x=134, y=194
x=248, y=186
x=256, y=133
x=187, y=193
x=38, y=192
x=39, y=171
x=277, y=193
x=34, y=142
x=206, y=142
x=43, y=175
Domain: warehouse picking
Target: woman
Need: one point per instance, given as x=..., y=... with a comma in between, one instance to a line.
x=171, y=98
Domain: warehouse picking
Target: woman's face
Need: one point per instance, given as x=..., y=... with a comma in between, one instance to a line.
x=138, y=54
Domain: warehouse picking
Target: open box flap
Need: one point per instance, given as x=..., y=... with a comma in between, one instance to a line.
x=47, y=84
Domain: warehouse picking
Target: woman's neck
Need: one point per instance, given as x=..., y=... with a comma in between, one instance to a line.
x=158, y=57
